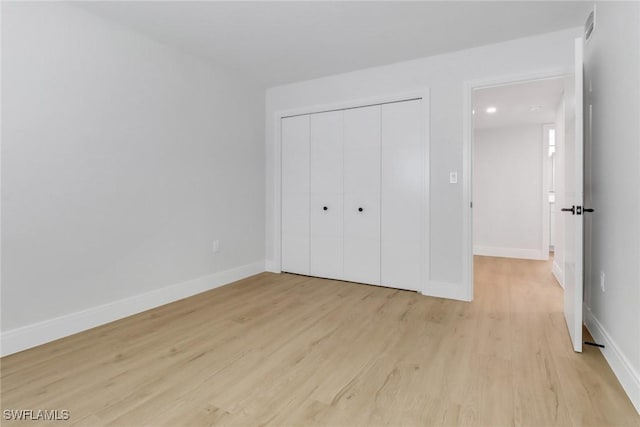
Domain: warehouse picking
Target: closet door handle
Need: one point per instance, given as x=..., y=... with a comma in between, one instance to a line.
x=572, y=210
x=324, y=208
x=360, y=209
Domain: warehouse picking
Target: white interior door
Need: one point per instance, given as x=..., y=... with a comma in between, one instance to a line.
x=573, y=200
x=402, y=186
x=295, y=194
x=326, y=204
x=362, y=195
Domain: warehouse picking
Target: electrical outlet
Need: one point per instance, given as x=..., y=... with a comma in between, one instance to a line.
x=453, y=177
x=216, y=246
x=602, y=280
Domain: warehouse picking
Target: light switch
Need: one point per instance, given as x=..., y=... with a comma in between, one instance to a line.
x=453, y=177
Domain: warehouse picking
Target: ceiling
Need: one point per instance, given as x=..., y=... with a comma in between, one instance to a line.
x=514, y=103
x=283, y=42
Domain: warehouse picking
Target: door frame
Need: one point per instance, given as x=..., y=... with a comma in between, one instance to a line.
x=276, y=226
x=467, y=159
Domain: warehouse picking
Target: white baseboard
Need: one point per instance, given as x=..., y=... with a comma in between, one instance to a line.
x=25, y=337
x=447, y=290
x=626, y=374
x=509, y=252
x=557, y=273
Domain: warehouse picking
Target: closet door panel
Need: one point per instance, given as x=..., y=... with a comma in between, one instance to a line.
x=362, y=195
x=362, y=238
x=326, y=152
x=362, y=216
x=401, y=268
x=295, y=194
x=295, y=154
x=402, y=193
x=295, y=233
x=326, y=183
x=362, y=150
x=326, y=235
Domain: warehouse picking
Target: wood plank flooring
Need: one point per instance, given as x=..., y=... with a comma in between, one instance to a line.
x=288, y=350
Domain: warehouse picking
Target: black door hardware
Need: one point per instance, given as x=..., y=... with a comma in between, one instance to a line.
x=324, y=208
x=360, y=209
x=576, y=210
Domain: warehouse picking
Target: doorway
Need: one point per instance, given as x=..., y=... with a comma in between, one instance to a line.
x=514, y=168
x=501, y=154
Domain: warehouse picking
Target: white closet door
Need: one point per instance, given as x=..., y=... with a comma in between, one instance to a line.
x=402, y=195
x=295, y=194
x=326, y=178
x=362, y=195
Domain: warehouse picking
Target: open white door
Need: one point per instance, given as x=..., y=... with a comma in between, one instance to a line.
x=573, y=211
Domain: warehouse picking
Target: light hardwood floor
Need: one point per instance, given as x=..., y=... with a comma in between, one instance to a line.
x=292, y=350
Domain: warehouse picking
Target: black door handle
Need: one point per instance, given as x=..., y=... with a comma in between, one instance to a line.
x=572, y=210
x=587, y=210
x=360, y=209
x=324, y=208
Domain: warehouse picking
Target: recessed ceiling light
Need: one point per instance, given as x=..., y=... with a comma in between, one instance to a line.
x=491, y=110
x=535, y=108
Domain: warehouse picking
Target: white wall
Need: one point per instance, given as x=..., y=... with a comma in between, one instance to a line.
x=613, y=181
x=507, y=192
x=122, y=160
x=445, y=75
